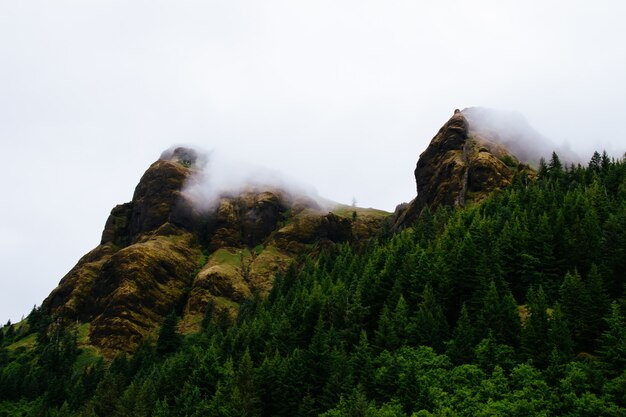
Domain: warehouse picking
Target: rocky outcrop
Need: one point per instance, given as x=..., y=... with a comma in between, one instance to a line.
x=160, y=253
x=460, y=166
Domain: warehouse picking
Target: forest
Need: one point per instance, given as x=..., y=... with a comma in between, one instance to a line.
x=513, y=306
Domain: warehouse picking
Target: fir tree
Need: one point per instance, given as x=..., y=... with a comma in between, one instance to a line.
x=574, y=300
x=460, y=348
x=430, y=322
x=386, y=336
x=612, y=344
x=535, y=340
x=168, y=340
x=249, y=400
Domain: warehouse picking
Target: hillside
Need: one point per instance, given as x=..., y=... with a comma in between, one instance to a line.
x=498, y=291
x=161, y=252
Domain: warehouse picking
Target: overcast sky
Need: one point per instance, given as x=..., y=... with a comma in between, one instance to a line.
x=342, y=95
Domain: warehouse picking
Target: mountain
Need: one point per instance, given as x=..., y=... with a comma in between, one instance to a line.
x=163, y=252
x=463, y=163
x=159, y=252
x=497, y=291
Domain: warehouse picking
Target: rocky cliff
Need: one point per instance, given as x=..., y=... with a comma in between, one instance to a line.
x=462, y=164
x=160, y=253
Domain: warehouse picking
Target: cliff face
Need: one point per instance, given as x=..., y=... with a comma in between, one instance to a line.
x=461, y=165
x=159, y=253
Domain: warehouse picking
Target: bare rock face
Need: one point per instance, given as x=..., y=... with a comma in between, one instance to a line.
x=459, y=167
x=159, y=253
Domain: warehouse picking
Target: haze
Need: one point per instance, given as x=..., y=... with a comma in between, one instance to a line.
x=341, y=95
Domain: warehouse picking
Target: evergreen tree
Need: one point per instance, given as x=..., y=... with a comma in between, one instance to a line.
x=535, y=338
x=430, y=322
x=168, y=340
x=542, y=171
x=511, y=325
x=460, y=348
x=594, y=163
x=599, y=304
x=9, y=332
x=355, y=316
x=207, y=319
x=555, y=167
x=612, y=345
x=559, y=337
x=248, y=397
x=574, y=300
x=386, y=336
x=361, y=363
x=490, y=315
x=404, y=328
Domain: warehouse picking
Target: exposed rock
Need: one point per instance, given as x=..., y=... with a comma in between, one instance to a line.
x=160, y=253
x=141, y=284
x=458, y=167
x=117, y=227
x=156, y=196
x=73, y=297
x=247, y=219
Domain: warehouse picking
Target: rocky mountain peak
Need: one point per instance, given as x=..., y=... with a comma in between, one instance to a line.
x=462, y=164
x=160, y=252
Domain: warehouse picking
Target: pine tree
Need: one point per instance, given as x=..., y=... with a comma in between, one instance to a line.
x=386, y=336
x=404, y=329
x=555, y=167
x=535, y=339
x=599, y=304
x=9, y=332
x=594, y=163
x=460, y=348
x=490, y=317
x=559, y=337
x=424, y=228
x=612, y=344
x=542, y=172
x=511, y=325
x=207, y=319
x=355, y=315
x=574, y=300
x=168, y=340
x=249, y=400
x=430, y=322
x=361, y=363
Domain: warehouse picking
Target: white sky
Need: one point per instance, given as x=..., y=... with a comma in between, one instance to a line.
x=342, y=95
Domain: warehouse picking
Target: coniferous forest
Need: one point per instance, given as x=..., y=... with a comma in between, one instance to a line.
x=513, y=306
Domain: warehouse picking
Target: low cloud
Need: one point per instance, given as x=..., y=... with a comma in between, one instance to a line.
x=513, y=131
x=218, y=175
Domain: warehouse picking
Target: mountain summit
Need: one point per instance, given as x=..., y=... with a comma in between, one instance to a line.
x=462, y=164
x=160, y=252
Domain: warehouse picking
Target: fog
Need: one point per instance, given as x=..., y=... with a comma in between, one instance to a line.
x=340, y=95
x=217, y=174
x=512, y=130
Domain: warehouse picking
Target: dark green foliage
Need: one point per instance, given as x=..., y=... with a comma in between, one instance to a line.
x=613, y=342
x=208, y=319
x=430, y=323
x=504, y=308
x=461, y=347
x=535, y=342
x=168, y=340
